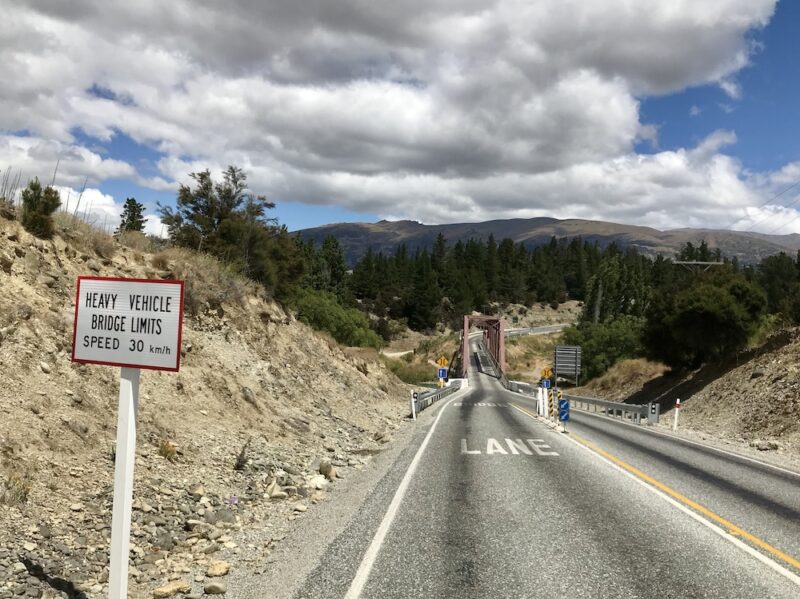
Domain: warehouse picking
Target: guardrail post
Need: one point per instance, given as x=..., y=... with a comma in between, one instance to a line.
x=653, y=412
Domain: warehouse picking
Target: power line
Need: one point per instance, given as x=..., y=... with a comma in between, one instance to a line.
x=789, y=222
x=770, y=201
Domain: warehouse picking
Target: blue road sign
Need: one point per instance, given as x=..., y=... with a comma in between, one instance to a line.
x=563, y=410
x=443, y=373
x=546, y=384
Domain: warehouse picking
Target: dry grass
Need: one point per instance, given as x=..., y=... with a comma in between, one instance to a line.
x=84, y=236
x=527, y=356
x=7, y=209
x=208, y=283
x=625, y=378
x=413, y=374
x=369, y=354
x=136, y=241
x=433, y=347
x=160, y=261
x=15, y=486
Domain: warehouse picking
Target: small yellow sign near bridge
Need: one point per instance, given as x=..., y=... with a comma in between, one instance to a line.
x=442, y=362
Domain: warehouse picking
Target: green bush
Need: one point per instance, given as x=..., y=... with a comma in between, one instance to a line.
x=348, y=326
x=605, y=343
x=38, y=206
x=711, y=319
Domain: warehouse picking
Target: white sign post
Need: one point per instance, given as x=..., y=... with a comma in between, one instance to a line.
x=123, y=483
x=131, y=323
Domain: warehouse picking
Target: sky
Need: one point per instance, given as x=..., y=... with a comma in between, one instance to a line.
x=664, y=114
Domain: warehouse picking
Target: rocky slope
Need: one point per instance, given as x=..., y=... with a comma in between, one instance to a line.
x=262, y=419
x=757, y=403
x=753, y=403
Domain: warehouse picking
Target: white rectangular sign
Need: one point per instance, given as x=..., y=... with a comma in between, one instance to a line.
x=133, y=323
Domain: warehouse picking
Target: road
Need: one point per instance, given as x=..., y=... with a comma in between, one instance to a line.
x=490, y=502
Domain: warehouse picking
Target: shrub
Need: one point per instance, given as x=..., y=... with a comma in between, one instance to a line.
x=167, y=449
x=348, y=326
x=411, y=373
x=38, y=206
x=160, y=261
x=604, y=344
x=710, y=319
x=102, y=244
x=14, y=488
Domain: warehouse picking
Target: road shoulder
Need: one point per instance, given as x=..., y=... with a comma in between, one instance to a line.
x=306, y=540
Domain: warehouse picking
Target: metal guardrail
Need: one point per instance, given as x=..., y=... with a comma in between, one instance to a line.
x=545, y=329
x=634, y=413
x=426, y=400
x=520, y=332
x=616, y=409
x=501, y=376
x=484, y=360
x=521, y=387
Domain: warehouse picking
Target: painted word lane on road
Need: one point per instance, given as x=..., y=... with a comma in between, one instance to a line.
x=525, y=447
x=128, y=322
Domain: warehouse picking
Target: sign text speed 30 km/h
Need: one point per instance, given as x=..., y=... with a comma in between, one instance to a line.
x=133, y=323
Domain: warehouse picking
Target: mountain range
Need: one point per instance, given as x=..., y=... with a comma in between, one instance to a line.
x=385, y=236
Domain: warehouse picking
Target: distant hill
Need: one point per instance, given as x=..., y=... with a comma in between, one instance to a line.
x=385, y=236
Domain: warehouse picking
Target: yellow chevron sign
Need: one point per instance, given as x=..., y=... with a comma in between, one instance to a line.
x=442, y=362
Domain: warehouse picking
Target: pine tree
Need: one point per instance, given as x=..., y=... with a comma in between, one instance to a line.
x=423, y=303
x=38, y=206
x=333, y=258
x=132, y=216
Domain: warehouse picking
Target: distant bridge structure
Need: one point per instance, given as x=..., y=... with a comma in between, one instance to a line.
x=494, y=341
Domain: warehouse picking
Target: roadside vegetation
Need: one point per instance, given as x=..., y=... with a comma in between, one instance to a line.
x=417, y=366
x=637, y=307
x=527, y=356
x=633, y=306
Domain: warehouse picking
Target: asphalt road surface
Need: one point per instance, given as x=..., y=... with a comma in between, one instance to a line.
x=488, y=501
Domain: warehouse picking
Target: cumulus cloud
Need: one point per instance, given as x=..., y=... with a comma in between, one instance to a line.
x=154, y=226
x=39, y=157
x=91, y=205
x=436, y=110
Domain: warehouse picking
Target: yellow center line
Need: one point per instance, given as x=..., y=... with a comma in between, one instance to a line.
x=730, y=527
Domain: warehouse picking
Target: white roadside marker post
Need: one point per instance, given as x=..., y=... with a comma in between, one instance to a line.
x=413, y=405
x=677, y=410
x=123, y=483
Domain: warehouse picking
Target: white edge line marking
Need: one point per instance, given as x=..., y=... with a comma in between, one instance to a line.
x=724, y=534
x=364, y=569
x=791, y=576
x=691, y=442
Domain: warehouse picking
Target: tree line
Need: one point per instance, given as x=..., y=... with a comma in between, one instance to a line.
x=633, y=305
